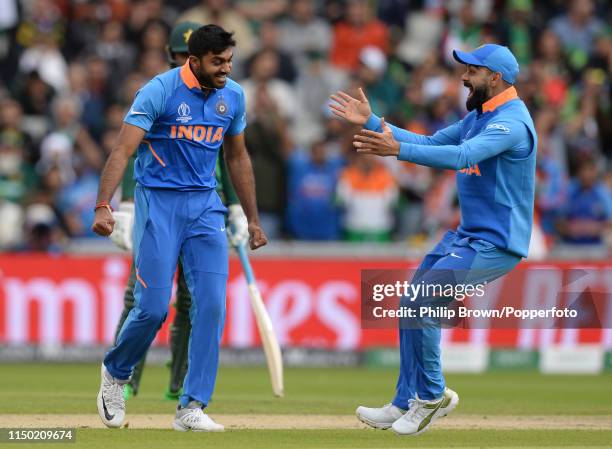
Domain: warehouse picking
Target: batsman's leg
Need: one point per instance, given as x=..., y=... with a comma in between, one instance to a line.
x=179, y=337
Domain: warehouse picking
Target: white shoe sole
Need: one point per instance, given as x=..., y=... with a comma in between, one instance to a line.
x=180, y=427
x=375, y=425
x=440, y=413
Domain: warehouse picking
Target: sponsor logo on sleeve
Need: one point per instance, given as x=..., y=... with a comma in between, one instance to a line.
x=498, y=126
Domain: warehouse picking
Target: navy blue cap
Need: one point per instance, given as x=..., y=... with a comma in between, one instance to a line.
x=496, y=58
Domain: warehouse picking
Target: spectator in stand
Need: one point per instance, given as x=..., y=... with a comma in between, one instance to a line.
x=551, y=188
x=368, y=195
x=270, y=108
x=262, y=10
x=358, y=30
x=98, y=94
x=303, y=34
x=42, y=230
x=587, y=215
x=115, y=51
x=17, y=176
x=518, y=31
x=372, y=74
x=224, y=14
x=11, y=225
x=464, y=32
x=34, y=95
x=66, y=114
x=76, y=200
x=269, y=40
x=577, y=30
x=312, y=177
x=11, y=116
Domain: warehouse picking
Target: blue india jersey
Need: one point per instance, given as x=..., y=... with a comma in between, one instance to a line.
x=493, y=151
x=184, y=128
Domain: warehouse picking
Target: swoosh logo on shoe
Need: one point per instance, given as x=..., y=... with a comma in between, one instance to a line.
x=107, y=415
x=446, y=400
x=427, y=419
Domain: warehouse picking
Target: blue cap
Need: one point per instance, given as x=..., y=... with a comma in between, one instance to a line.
x=496, y=58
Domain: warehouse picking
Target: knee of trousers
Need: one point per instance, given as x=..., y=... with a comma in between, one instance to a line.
x=154, y=317
x=152, y=304
x=212, y=310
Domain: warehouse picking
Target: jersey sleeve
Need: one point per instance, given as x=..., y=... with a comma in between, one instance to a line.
x=447, y=136
x=498, y=137
x=239, y=121
x=148, y=105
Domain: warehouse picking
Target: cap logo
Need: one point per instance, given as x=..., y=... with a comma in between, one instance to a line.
x=187, y=34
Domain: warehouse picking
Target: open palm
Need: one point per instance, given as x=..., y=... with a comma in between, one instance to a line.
x=354, y=110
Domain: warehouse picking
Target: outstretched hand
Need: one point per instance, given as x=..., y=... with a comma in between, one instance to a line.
x=354, y=110
x=380, y=144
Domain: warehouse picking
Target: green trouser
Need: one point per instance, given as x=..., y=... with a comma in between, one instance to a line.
x=179, y=332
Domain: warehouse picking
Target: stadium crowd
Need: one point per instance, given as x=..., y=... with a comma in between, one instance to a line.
x=70, y=70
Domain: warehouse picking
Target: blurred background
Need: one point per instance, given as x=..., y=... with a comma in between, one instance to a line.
x=70, y=70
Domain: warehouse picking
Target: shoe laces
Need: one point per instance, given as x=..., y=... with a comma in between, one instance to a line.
x=113, y=396
x=194, y=416
x=416, y=409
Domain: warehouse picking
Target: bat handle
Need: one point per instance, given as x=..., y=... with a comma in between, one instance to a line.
x=246, y=265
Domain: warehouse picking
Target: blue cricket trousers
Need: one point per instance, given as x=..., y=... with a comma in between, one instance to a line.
x=170, y=224
x=454, y=260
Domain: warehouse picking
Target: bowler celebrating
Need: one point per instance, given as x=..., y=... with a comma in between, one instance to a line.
x=177, y=123
x=493, y=150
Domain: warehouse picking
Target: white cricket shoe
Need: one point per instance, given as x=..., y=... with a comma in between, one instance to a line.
x=111, y=404
x=379, y=418
x=419, y=416
x=451, y=400
x=193, y=418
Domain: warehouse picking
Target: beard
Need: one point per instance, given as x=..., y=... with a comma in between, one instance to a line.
x=477, y=97
x=212, y=80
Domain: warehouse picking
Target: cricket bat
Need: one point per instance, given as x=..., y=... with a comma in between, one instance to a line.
x=264, y=324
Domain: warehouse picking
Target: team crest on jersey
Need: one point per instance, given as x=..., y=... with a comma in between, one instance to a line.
x=183, y=113
x=221, y=107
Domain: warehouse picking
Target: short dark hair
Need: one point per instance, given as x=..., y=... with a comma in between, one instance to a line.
x=210, y=38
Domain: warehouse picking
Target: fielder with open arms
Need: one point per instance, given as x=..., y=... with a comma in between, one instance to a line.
x=177, y=123
x=493, y=150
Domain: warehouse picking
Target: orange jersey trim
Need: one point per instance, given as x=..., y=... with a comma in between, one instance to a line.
x=140, y=279
x=159, y=159
x=499, y=99
x=188, y=77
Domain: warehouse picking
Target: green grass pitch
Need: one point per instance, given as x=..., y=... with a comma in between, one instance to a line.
x=72, y=388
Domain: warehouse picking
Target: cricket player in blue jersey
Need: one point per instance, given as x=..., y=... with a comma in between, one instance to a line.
x=177, y=124
x=493, y=150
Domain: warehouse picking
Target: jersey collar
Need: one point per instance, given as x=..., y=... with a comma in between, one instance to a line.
x=188, y=77
x=499, y=99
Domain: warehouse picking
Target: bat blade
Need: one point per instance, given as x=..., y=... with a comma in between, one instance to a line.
x=268, y=338
x=269, y=341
